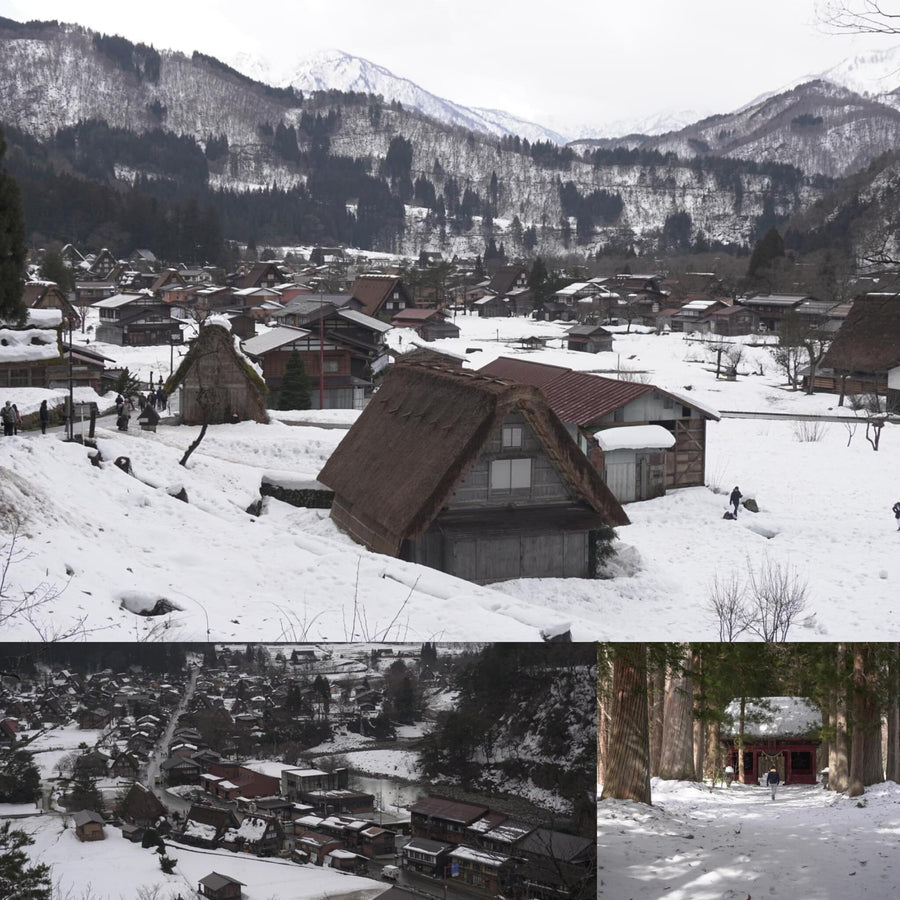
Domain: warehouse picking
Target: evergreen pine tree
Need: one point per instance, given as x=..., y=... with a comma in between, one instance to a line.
x=20, y=779
x=12, y=245
x=295, y=389
x=54, y=269
x=19, y=880
x=84, y=793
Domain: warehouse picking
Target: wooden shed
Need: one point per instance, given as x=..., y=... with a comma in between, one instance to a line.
x=220, y=887
x=589, y=339
x=471, y=475
x=218, y=383
x=89, y=825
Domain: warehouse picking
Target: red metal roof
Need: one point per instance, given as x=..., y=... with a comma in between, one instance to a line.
x=576, y=397
x=523, y=371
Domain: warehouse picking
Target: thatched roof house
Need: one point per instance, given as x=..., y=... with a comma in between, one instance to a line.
x=866, y=350
x=219, y=384
x=471, y=475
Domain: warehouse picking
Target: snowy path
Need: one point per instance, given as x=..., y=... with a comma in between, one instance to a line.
x=698, y=844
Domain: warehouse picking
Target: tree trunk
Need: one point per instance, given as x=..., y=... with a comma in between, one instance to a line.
x=739, y=741
x=699, y=722
x=194, y=445
x=839, y=762
x=627, y=769
x=714, y=763
x=856, y=784
x=893, y=716
x=657, y=709
x=604, y=710
x=677, y=762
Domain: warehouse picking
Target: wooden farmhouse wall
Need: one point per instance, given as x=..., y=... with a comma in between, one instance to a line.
x=546, y=484
x=686, y=461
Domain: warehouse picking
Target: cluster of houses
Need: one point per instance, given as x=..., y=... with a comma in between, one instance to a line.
x=265, y=809
x=516, y=470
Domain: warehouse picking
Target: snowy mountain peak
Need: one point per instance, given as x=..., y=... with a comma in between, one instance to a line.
x=333, y=69
x=874, y=73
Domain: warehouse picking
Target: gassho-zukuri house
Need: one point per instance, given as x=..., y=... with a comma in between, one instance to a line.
x=472, y=475
x=778, y=731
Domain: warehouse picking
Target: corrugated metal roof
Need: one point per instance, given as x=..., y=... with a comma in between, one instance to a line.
x=273, y=339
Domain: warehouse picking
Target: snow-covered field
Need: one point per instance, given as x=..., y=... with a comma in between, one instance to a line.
x=116, y=869
x=732, y=844
x=100, y=545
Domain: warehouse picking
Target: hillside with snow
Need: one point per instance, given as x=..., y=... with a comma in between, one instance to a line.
x=100, y=546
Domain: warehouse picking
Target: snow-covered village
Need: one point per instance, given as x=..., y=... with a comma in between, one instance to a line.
x=614, y=487
x=300, y=770
x=446, y=475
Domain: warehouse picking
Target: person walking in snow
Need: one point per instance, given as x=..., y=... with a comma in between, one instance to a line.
x=8, y=418
x=44, y=416
x=735, y=499
x=160, y=398
x=895, y=509
x=772, y=780
x=17, y=419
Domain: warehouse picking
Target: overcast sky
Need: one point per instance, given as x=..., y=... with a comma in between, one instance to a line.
x=577, y=62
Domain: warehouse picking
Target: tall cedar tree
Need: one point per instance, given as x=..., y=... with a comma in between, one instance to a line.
x=12, y=245
x=295, y=389
x=19, y=880
x=627, y=766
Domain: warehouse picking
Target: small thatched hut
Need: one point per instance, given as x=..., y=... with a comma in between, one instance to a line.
x=471, y=475
x=218, y=383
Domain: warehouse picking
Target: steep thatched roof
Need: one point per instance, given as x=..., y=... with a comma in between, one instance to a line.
x=869, y=339
x=421, y=434
x=215, y=363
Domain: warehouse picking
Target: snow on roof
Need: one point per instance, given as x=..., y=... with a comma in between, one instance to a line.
x=253, y=828
x=304, y=773
x=199, y=830
x=36, y=341
x=693, y=401
x=267, y=767
x=480, y=856
x=118, y=300
x=273, y=339
x=352, y=315
x=312, y=821
x=635, y=437
x=776, y=716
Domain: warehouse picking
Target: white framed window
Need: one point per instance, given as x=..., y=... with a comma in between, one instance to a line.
x=510, y=474
x=512, y=437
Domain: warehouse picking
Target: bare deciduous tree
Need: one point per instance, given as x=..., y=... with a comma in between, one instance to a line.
x=767, y=605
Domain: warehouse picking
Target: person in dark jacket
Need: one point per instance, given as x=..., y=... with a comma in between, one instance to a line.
x=735, y=499
x=44, y=416
x=772, y=780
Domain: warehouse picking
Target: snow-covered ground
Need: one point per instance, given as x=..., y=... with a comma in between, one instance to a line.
x=116, y=869
x=99, y=545
x=733, y=844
